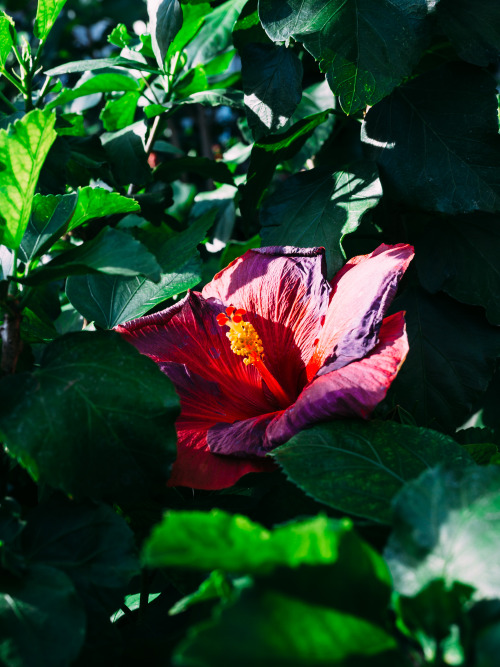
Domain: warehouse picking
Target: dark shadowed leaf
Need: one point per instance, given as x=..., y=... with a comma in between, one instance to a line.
x=450, y=362
x=282, y=630
x=170, y=170
x=460, y=256
x=358, y=467
x=112, y=251
x=49, y=215
x=42, y=621
x=436, y=141
x=23, y=149
x=124, y=407
x=272, y=83
x=89, y=541
x=269, y=152
x=366, y=49
x=126, y=154
x=318, y=208
x=112, y=300
x=447, y=527
x=474, y=30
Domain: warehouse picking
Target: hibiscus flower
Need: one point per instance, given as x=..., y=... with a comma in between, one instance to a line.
x=270, y=347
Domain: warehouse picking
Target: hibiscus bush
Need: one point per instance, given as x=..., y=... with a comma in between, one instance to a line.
x=249, y=301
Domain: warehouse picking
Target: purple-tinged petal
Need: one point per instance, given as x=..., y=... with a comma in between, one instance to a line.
x=286, y=295
x=352, y=391
x=198, y=468
x=363, y=291
x=188, y=334
x=242, y=439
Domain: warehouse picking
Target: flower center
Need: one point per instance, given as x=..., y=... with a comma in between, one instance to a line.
x=246, y=343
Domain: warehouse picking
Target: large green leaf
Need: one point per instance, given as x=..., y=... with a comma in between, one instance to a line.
x=88, y=541
x=366, y=47
x=100, y=83
x=46, y=15
x=165, y=21
x=318, y=208
x=358, y=467
x=97, y=202
x=7, y=30
x=118, y=114
x=450, y=362
x=447, y=527
x=436, y=141
x=23, y=149
x=460, y=256
x=112, y=252
x=42, y=621
x=272, y=83
x=210, y=540
x=124, y=407
x=282, y=630
x=112, y=300
x=474, y=30
x=100, y=63
x=215, y=35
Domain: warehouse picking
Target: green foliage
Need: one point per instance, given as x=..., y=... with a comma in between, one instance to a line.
x=134, y=167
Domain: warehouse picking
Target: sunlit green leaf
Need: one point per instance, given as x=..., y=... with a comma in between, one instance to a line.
x=7, y=30
x=46, y=15
x=23, y=149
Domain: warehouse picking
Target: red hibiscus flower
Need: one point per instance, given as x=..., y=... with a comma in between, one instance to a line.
x=270, y=347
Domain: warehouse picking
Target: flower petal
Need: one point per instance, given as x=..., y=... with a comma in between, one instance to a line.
x=243, y=438
x=188, y=334
x=363, y=290
x=352, y=391
x=198, y=468
x=285, y=293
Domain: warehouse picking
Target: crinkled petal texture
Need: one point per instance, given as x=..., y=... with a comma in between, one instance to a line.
x=327, y=345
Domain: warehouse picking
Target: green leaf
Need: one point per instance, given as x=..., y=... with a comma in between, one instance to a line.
x=41, y=619
x=450, y=361
x=36, y=330
x=124, y=407
x=447, y=527
x=214, y=587
x=112, y=251
x=97, y=202
x=112, y=300
x=216, y=98
x=165, y=21
x=7, y=31
x=23, y=149
x=474, y=34
x=88, y=541
x=459, y=255
x=119, y=113
x=269, y=152
x=318, y=208
x=126, y=154
x=46, y=15
x=49, y=217
x=216, y=540
x=100, y=83
x=100, y=63
x=280, y=630
x=192, y=20
x=272, y=83
x=120, y=36
x=482, y=452
x=366, y=50
x=436, y=141
x=214, y=36
x=358, y=467
x=248, y=28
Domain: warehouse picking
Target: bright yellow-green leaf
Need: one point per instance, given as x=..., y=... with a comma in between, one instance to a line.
x=46, y=15
x=23, y=149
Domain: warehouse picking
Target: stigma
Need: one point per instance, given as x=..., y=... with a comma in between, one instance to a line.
x=245, y=342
